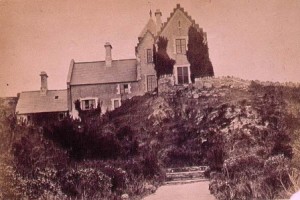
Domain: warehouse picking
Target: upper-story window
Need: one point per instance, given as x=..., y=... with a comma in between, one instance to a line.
x=180, y=46
x=124, y=89
x=149, y=56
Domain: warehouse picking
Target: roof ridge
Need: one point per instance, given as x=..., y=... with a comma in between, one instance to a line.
x=47, y=90
x=178, y=7
x=99, y=61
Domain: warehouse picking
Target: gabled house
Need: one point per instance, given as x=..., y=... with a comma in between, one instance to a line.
x=106, y=83
x=175, y=29
x=102, y=83
x=39, y=107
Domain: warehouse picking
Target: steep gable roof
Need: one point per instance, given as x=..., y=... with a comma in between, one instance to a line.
x=142, y=38
x=178, y=8
x=83, y=73
x=33, y=102
x=150, y=26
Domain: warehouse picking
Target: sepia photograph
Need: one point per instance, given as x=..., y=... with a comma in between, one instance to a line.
x=150, y=100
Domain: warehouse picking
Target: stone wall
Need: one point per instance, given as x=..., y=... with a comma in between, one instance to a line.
x=166, y=84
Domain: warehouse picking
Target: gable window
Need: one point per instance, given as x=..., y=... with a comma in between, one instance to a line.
x=88, y=104
x=151, y=82
x=149, y=56
x=180, y=46
x=182, y=75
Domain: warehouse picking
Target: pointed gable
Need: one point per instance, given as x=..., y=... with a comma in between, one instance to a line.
x=177, y=15
x=150, y=26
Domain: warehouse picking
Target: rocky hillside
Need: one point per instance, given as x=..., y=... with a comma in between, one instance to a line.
x=245, y=131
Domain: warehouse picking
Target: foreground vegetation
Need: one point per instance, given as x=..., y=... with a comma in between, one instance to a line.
x=248, y=136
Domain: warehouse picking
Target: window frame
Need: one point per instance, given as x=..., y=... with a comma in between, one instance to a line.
x=180, y=48
x=149, y=55
x=153, y=83
x=186, y=78
x=87, y=99
x=122, y=90
x=61, y=116
x=113, y=103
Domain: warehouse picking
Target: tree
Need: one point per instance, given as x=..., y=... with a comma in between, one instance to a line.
x=198, y=55
x=163, y=64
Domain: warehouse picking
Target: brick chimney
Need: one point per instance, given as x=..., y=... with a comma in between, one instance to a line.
x=44, y=84
x=108, y=58
x=158, y=15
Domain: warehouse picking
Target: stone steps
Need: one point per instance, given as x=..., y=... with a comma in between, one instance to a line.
x=185, y=181
x=185, y=175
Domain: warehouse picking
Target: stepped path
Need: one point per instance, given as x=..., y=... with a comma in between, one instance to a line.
x=183, y=184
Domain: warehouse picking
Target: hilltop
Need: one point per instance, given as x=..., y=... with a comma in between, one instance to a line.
x=247, y=132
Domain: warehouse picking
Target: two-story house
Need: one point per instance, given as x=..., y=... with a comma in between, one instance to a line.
x=106, y=83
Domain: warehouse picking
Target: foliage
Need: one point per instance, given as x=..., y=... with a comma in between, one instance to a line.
x=254, y=157
x=86, y=182
x=163, y=64
x=245, y=136
x=198, y=55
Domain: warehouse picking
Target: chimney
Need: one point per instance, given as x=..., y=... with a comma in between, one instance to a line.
x=158, y=20
x=44, y=85
x=108, y=58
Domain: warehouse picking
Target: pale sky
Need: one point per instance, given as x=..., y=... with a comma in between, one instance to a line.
x=250, y=39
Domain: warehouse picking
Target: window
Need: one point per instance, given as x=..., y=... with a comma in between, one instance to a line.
x=180, y=46
x=182, y=75
x=61, y=116
x=151, y=82
x=88, y=104
x=149, y=56
x=124, y=89
x=56, y=97
x=116, y=103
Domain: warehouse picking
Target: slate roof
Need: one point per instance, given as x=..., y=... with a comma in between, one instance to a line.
x=33, y=102
x=82, y=73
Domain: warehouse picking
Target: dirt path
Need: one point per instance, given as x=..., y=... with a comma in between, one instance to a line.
x=190, y=191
